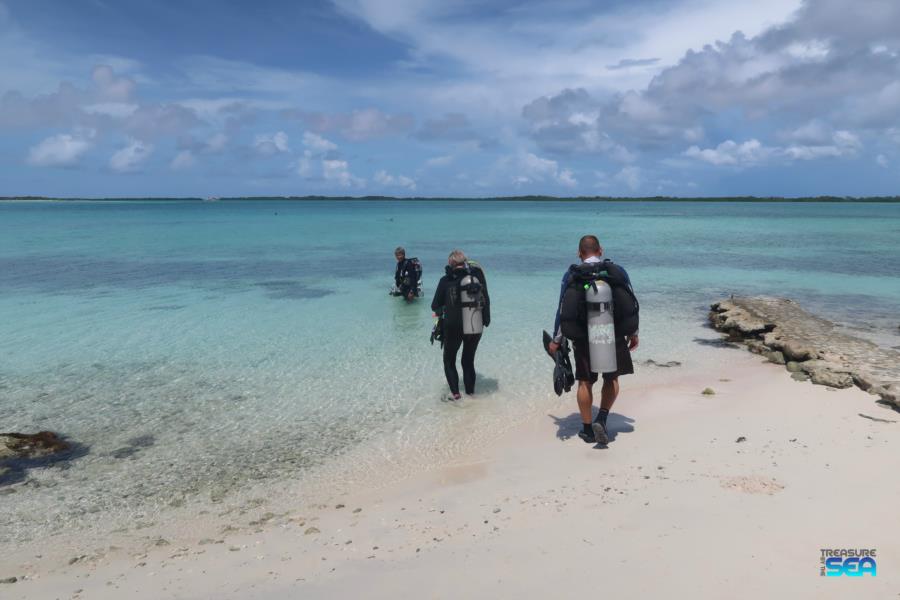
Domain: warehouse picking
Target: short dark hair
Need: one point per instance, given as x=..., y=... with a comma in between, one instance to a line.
x=589, y=244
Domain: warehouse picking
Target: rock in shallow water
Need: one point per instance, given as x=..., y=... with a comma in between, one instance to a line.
x=35, y=445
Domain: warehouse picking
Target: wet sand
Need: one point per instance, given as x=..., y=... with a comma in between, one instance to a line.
x=725, y=495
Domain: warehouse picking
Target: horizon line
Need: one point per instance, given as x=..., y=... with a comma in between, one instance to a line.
x=523, y=198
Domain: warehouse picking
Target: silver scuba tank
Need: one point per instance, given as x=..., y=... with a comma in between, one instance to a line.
x=601, y=330
x=472, y=322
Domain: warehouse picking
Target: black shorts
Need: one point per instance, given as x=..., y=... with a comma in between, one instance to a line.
x=583, y=372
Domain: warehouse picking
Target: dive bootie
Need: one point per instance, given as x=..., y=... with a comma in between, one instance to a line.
x=563, y=378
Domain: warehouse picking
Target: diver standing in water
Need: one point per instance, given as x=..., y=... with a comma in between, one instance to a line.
x=407, y=277
x=598, y=311
x=462, y=300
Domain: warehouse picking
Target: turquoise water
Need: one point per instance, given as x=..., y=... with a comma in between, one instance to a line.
x=198, y=349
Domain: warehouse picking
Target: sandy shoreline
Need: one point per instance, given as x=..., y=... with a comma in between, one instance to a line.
x=675, y=505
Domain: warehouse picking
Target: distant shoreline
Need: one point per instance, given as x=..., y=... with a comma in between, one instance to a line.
x=828, y=199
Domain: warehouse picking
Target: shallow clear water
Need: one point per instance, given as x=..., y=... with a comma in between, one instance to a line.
x=195, y=349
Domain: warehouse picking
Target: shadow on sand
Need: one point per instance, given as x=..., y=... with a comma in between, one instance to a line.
x=567, y=427
x=485, y=385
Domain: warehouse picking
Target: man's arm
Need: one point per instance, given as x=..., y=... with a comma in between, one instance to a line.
x=633, y=340
x=557, y=330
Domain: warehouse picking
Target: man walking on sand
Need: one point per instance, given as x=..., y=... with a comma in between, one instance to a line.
x=571, y=322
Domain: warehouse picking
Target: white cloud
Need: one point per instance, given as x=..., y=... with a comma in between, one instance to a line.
x=730, y=152
x=630, y=176
x=269, y=144
x=216, y=143
x=130, y=157
x=305, y=165
x=116, y=110
x=440, y=161
x=843, y=143
x=383, y=178
x=358, y=125
x=317, y=143
x=183, y=160
x=881, y=160
x=535, y=167
x=566, y=178
x=59, y=150
x=371, y=123
x=495, y=50
x=338, y=171
x=530, y=168
x=110, y=87
x=753, y=152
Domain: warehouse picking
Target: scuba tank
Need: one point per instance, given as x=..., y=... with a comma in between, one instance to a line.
x=465, y=302
x=472, y=304
x=601, y=335
x=416, y=268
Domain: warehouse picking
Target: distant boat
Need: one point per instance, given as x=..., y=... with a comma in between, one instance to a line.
x=212, y=199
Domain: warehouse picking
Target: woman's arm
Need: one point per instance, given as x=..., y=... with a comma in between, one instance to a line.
x=438, y=303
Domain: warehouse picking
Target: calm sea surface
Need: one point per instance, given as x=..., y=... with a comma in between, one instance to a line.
x=198, y=349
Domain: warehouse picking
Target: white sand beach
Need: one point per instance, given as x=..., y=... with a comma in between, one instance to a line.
x=701, y=496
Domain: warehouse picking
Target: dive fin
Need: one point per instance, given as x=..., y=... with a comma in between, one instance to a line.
x=547, y=340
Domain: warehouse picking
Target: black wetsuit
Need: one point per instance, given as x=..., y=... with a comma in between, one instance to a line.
x=453, y=329
x=406, y=277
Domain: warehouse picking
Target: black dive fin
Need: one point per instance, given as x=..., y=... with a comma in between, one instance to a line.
x=547, y=340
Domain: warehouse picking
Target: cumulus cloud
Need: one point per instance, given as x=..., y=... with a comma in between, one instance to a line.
x=566, y=178
x=358, y=125
x=752, y=152
x=62, y=150
x=183, y=160
x=130, y=157
x=845, y=74
x=116, y=110
x=110, y=87
x=569, y=123
x=627, y=63
x=214, y=144
x=270, y=144
x=454, y=127
x=338, y=172
x=305, y=165
x=152, y=121
x=731, y=153
x=107, y=104
x=440, y=161
x=530, y=168
x=629, y=176
x=385, y=179
x=316, y=143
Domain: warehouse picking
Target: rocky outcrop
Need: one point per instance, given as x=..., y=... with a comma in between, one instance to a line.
x=809, y=347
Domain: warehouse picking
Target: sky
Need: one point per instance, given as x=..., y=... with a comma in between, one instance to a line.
x=102, y=98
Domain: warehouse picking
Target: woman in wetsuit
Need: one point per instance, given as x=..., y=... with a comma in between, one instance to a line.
x=453, y=299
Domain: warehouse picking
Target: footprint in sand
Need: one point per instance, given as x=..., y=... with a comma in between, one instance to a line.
x=753, y=484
